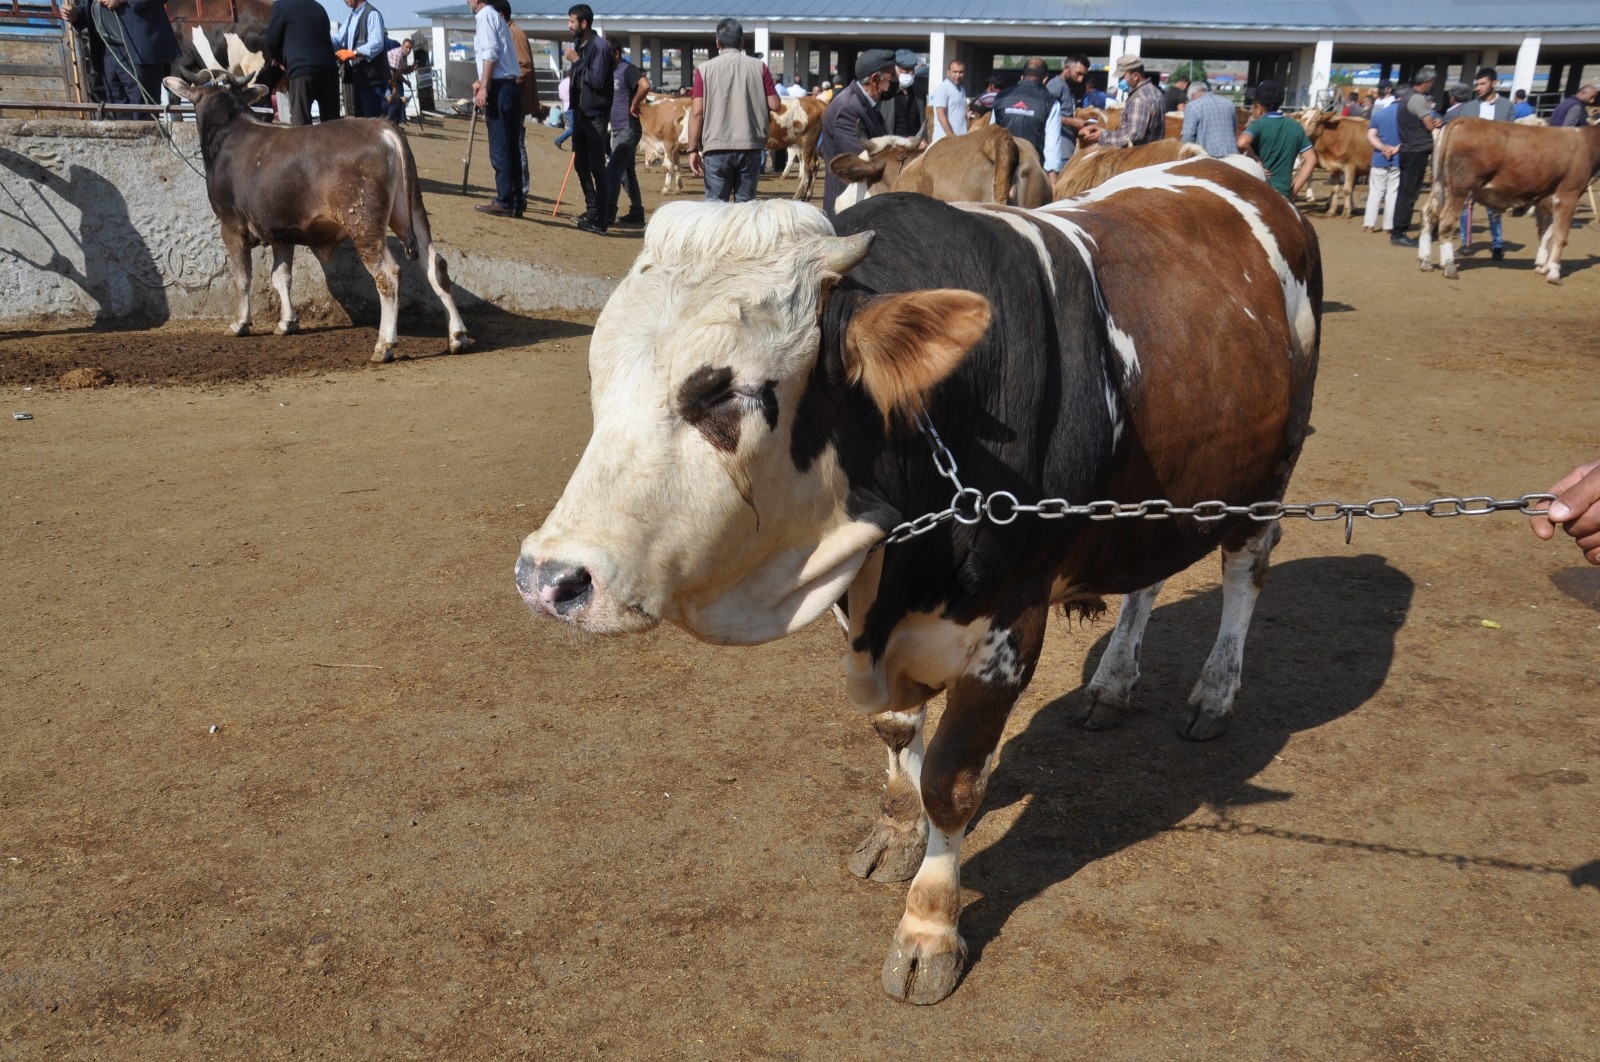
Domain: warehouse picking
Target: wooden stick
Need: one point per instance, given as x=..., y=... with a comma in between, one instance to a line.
x=472, y=136
x=573, y=161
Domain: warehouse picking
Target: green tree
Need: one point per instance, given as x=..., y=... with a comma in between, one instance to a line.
x=1191, y=69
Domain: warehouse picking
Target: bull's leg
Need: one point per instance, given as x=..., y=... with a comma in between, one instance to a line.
x=282, y=282
x=928, y=954
x=1541, y=222
x=1244, y=569
x=894, y=849
x=1430, y=217
x=241, y=266
x=439, y=277
x=1111, y=689
x=808, y=174
x=1449, y=222
x=1560, y=224
x=386, y=275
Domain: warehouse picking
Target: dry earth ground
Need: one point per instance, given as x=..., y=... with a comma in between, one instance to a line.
x=428, y=827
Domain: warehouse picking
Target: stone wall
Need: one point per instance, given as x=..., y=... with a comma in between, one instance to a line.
x=108, y=221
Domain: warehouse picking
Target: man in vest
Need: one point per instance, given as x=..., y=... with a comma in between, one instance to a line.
x=1418, y=120
x=361, y=51
x=729, y=106
x=1030, y=113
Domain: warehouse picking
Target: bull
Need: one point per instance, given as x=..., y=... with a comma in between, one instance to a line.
x=314, y=186
x=1093, y=165
x=755, y=379
x=987, y=165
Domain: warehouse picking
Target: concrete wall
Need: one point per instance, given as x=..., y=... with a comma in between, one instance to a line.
x=107, y=221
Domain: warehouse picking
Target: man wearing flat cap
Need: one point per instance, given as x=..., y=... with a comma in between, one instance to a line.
x=1143, y=120
x=905, y=113
x=853, y=116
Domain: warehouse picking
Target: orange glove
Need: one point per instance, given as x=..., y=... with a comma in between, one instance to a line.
x=344, y=55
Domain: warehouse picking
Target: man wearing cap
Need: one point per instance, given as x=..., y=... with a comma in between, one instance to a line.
x=728, y=117
x=1143, y=120
x=904, y=113
x=1418, y=120
x=853, y=116
x=1028, y=112
x=1385, y=96
x=1279, y=142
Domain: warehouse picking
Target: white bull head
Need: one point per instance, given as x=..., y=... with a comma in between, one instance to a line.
x=690, y=503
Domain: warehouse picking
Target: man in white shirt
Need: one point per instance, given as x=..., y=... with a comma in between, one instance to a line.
x=949, y=101
x=499, y=97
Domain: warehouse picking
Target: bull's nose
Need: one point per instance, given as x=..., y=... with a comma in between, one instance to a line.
x=559, y=588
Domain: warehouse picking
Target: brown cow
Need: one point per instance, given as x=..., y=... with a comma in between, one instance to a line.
x=1342, y=149
x=1094, y=165
x=314, y=186
x=797, y=128
x=1505, y=166
x=988, y=165
x=661, y=129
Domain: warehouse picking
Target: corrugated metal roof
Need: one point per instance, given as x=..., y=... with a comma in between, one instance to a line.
x=1332, y=15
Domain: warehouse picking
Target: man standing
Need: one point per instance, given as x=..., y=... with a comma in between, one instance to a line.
x=629, y=86
x=297, y=39
x=1383, y=184
x=1417, y=123
x=949, y=101
x=527, y=90
x=139, y=45
x=729, y=106
x=1060, y=90
x=591, y=91
x=853, y=116
x=359, y=46
x=905, y=113
x=1028, y=112
x=1176, y=95
x=1572, y=111
x=1520, y=107
x=1493, y=107
x=498, y=97
x=1143, y=119
x=1385, y=96
x=1279, y=142
x=1209, y=121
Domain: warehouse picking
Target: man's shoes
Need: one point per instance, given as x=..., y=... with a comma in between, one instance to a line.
x=632, y=218
x=1497, y=253
x=494, y=209
x=587, y=215
x=1400, y=239
x=588, y=225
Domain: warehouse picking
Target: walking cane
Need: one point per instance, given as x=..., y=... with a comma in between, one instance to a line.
x=570, y=163
x=472, y=136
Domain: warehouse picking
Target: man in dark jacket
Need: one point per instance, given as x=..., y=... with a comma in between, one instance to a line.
x=297, y=40
x=139, y=45
x=1029, y=112
x=906, y=112
x=853, y=115
x=592, y=91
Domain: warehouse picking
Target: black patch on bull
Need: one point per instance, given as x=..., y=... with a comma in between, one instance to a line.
x=705, y=400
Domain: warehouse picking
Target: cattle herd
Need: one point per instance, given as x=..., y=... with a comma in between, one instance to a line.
x=808, y=391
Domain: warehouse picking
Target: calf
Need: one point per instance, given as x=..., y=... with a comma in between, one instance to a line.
x=1343, y=150
x=983, y=166
x=314, y=186
x=1506, y=166
x=1094, y=165
x=797, y=128
x=755, y=380
x=662, y=129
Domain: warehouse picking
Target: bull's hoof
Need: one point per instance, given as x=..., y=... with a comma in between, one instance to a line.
x=1205, y=726
x=1105, y=710
x=1450, y=273
x=240, y=329
x=888, y=853
x=460, y=342
x=1424, y=265
x=924, y=969
x=288, y=328
x=383, y=352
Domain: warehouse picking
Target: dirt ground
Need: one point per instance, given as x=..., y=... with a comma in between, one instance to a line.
x=287, y=769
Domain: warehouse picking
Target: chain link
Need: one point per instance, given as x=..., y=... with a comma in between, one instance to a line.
x=969, y=505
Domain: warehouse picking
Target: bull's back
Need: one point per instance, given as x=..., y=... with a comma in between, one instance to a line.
x=1523, y=163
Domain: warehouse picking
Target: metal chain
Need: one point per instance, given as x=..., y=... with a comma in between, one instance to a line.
x=969, y=505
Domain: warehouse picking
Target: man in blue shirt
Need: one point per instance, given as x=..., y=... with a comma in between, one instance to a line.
x=1383, y=183
x=1520, y=107
x=364, y=57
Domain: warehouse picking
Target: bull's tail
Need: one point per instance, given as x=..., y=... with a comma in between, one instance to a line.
x=405, y=208
x=1006, y=160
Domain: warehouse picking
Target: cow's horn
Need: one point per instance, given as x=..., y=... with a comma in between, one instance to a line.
x=859, y=138
x=193, y=77
x=843, y=253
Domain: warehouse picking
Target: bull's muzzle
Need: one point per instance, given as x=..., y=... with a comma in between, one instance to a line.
x=554, y=587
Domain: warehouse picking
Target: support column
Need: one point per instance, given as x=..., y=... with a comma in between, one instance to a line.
x=658, y=65
x=1119, y=48
x=1469, y=66
x=763, y=42
x=1298, y=88
x=440, y=59
x=1527, y=59
x=636, y=49
x=1490, y=57
x=792, y=72
x=1321, y=69
x=936, y=58
x=1130, y=46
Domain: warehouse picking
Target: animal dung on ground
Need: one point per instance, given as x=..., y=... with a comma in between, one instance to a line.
x=93, y=376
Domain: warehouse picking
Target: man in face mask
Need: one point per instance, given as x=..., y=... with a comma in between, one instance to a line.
x=904, y=109
x=853, y=116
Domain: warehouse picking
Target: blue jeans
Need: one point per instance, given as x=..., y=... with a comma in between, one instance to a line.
x=502, y=120
x=732, y=175
x=566, y=116
x=1496, y=237
x=372, y=101
x=621, y=169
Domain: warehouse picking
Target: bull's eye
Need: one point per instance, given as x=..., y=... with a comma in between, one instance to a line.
x=709, y=402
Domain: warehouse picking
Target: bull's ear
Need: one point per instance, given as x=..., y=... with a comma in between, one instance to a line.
x=899, y=347
x=255, y=94
x=852, y=168
x=180, y=88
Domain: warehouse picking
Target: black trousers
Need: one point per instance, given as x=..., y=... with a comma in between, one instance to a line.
x=321, y=89
x=1413, y=168
x=590, y=138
